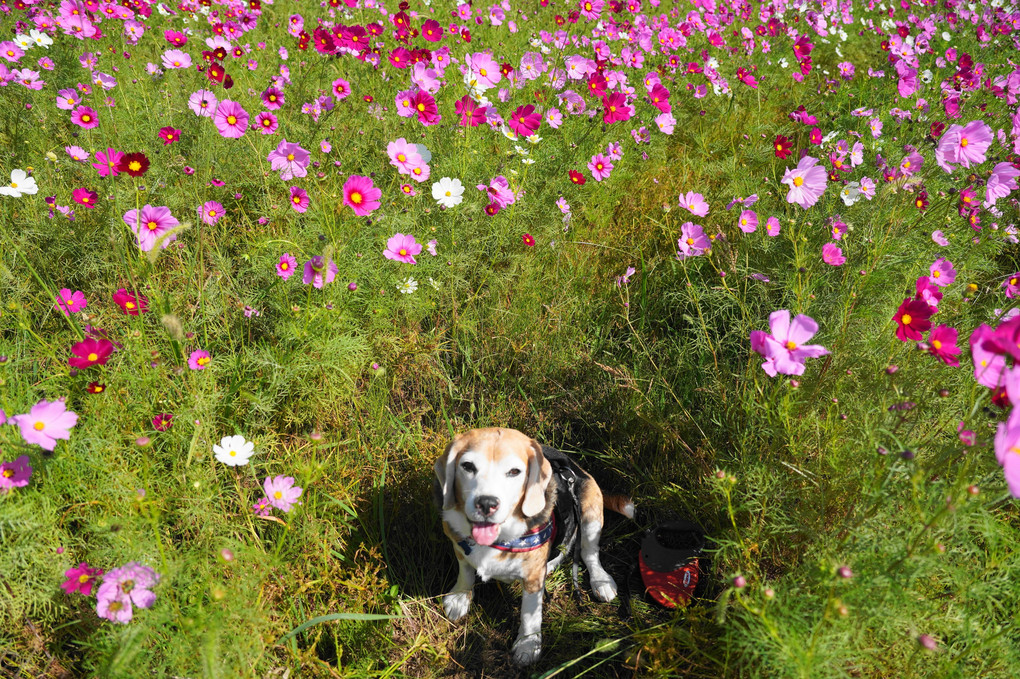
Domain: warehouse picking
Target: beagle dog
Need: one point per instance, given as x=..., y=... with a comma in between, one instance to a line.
x=505, y=502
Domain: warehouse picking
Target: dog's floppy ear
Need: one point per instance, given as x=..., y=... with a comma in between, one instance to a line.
x=539, y=474
x=446, y=470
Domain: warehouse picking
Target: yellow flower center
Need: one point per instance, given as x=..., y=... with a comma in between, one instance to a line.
x=232, y=120
x=690, y=241
x=401, y=157
x=906, y=319
x=290, y=156
x=402, y=252
x=936, y=344
x=356, y=198
x=297, y=200
x=151, y=226
x=86, y=118
x=798, y=181
x=421, y=107
x=791, y=345
x=93, y=357
x=284, y=266
x=204, y=360
x=744, y=221
x=963, y=142
x=937, y=274
x=233, y=453
x=39, y=426
x=277, y=495
x=134, y=166
x=483, y=72
x=115, y=606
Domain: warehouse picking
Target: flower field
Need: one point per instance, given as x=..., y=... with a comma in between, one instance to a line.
x=752, y=264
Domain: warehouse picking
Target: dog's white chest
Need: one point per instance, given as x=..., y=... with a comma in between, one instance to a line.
x=494, y=564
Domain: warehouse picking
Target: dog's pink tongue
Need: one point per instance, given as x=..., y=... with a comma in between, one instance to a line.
x=484, y=533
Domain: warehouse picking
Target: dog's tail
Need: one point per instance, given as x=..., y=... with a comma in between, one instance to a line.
x=620, y=504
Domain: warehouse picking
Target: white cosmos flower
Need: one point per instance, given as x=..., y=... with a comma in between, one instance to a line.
x=40, y=38
x=24, y=42
x=448, y=192
x=234, y=450
x=408, y=286
x=21, y=184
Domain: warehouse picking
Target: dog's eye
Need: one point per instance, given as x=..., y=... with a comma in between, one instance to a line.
x=468, y=467
x=513, y=472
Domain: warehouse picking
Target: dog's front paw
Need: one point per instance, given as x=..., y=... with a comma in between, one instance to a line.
x=456, y=605
x=604, y=588
x=527, y=649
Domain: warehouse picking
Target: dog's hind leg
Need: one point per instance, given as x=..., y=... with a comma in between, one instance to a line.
x=457, y=602
x=528, y=646
x=602, y=583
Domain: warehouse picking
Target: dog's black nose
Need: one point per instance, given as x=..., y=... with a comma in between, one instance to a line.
x=487, y=504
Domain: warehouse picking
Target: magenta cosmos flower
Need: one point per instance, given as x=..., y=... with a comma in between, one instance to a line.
x=231, y=119
x=290, y=160
x=70, y=302
x=281, y=492
x=199, y=360
x=807, y=182
x=402, y=248
x=150, y=224
x=107, y=162
x=89, y=352
x=46, y=422
x=833, y=255
x=299, y=199
x=319, y=272
x=15, y=474
x=1007, y=452
x=912, y=319
x=81, y=579
x=942, y=345
x=524, y=120
x=785, y=350
x=692, y=241
x=361, y=195
x=286, y=266
x=85, y=117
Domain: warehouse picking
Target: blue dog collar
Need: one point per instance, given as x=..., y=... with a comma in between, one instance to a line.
x=528, y=542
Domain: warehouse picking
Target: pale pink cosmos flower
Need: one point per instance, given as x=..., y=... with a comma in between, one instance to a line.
x=46, y=422
x=402, y=248
x=694, y=203
x=203, y=103
x=299, y=199
x=942, y=272
x=772, y=226
x=15, y=474
x=150, y=224
x=1007, y=452
x=692, y=241
x=70, y=302
x=403, y=155
x=199, y=359
x=939, y=238
x=319, y=272
x=807, y=182
x=286, y=266
x=290, y=160
x=785, y=350
x=966, y=145
x=281, y=492
x=1000, y=183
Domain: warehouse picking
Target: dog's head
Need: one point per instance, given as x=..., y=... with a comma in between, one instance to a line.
x=490, y=479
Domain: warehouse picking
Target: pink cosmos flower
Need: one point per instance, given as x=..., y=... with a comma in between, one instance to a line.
x=81, y=579
x=318, y=272
x=942, y=272
x=89, y=352
x=1000, y=183
x=341, y=89
x=785, y=350
x=748, y=221
x=615, y=108
x=203, y=103
x=70, y=302
x=299, y=199
x=122, y=588
x=989, y=366
x=832, y=255
x=524, y=120
x=471, y=114
x=15, y=474
x=211, y=211
x=176, y=59
x=499, y=192
x=965, y=145
x=1007, y=453
x=694, y=203
x=150, y=224
x=286, y=266
x=46, y=422
x=290, y=160
x=273, y=98
x=692, y=242
x=231, y=119
x=162, y=421
x=939, y=238
x=424, y=106
x=942, y=345
x=807, y=182
x=361, y=195
x=281, y=492
x=107, y=162
x=772, y=227
x=199, y=359
x=403, y=155
x=600, y=167
x=402, y=248
x=85, y=117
